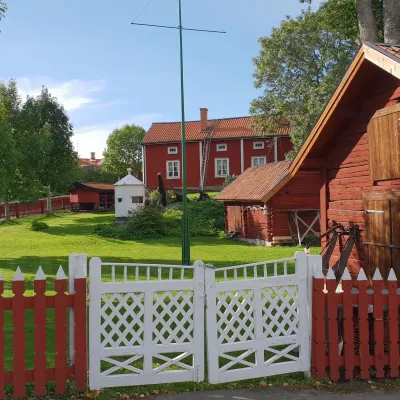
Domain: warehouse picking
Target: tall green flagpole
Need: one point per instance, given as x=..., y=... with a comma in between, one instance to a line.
x=185, y=219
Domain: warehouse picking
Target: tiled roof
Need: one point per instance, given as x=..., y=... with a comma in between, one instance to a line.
x=88, y=162
x=94, y=185
x=393, y=49
x=226, y=128
x=255, y=183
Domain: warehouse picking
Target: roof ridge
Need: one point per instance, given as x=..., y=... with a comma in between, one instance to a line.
x=197, y=120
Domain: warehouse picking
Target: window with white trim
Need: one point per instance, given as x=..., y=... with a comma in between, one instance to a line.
x=172, y=150
x=222, y=147
x=257, y=161
x=258, y=145
x=173, y=170
x=221, y=167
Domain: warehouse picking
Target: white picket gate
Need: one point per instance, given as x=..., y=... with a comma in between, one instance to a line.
x=258, y=320
x=147, y=322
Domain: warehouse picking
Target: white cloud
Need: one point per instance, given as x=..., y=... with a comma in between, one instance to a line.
x=93, y=137
x=73, y=94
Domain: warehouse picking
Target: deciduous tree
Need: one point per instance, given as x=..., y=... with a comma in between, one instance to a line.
x=124, y=150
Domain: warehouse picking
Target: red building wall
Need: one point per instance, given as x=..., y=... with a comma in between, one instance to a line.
x=84, y=196
x=347, y=165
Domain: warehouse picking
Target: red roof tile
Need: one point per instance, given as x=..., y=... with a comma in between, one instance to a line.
x=88, y=162
x=256, y=183
x=393, y=49
x=94, y=185
x=227, y=128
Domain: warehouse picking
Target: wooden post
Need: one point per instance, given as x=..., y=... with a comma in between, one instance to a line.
x=378, y=286
x=333, y=349
x=2, y=394
x=319, y=336
x=19, y=339
x=80, y=332
x=348, y=334
x=362, y=285
x=60, y=311
x=39, y=309
x=394, y=356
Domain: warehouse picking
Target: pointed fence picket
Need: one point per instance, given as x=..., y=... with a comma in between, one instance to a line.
x=355, y=326
x=61, y=302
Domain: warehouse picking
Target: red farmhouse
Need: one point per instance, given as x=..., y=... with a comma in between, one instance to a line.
x=258, y=209
x=92, y=196
x=355, y=146
x=215, y=149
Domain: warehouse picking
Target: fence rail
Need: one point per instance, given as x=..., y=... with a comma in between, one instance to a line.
x=355, y=330
x=61, y=302
x=18, y=209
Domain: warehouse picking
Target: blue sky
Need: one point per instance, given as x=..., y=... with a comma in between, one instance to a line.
x=108, y=72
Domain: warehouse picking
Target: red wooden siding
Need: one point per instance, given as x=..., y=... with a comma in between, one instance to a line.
x=79, y=195
x=346, y=158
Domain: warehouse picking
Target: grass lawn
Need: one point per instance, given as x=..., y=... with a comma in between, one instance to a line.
x=73, y=233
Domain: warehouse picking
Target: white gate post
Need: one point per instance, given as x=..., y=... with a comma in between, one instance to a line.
x=94, y=323
x=211, y=324
x=304, y=311
x=76, y=262
x=199, y=305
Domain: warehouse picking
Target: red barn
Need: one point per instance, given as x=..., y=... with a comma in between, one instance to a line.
x=215, y=149
x=258, y=209
x=92, y=196
x=356, y=148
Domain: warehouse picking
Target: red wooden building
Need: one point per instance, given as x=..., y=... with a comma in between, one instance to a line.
x=92, y=196
x=258, y=209
x=215, y=149
x=355, y=146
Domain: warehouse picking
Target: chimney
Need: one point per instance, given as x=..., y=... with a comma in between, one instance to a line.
x=92, y=156
x=203, y=119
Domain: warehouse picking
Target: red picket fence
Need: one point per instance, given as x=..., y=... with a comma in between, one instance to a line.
x=18, y=209
x=355, y=330
x=61, y=302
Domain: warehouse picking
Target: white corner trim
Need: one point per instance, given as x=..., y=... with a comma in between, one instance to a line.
x=276, y=149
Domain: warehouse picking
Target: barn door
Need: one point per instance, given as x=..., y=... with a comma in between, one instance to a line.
x=382, y=224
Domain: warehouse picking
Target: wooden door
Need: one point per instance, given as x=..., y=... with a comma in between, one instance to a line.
x=382, y=232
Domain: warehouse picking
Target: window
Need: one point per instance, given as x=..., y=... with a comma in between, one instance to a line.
x=221, y=167
x=137, y=199
x=257, y=161
x=222, y=147
x=172, y=150
x=173, y=170
x=258, y=145
x=119, y=200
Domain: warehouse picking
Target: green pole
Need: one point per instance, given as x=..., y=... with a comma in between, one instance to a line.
x=185, y=220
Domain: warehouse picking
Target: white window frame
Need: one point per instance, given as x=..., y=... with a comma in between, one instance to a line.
x=258, y=158
x=216, y=167
x=173, y=150
x=255, y=147
x=179, y=169
x=222, y=147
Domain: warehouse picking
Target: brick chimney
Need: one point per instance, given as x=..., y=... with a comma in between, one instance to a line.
x=92, y=156
x=203, y=119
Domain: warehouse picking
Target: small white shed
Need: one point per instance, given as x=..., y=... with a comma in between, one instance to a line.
x=129, y=195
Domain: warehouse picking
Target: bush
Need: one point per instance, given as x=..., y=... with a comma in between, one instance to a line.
x=229, y=179
x=38, y=225
x=206, y=218
x=155, y=197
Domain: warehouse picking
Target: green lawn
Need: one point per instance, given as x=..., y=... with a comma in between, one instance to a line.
x=73, y=233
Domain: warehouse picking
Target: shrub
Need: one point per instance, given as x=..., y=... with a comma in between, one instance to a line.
x=229, y=179
x=38, y=225
x=147, y=222
x=154, y=197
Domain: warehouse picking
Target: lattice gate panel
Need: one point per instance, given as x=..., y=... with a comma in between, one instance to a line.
x=257, y=320
x=146, y=324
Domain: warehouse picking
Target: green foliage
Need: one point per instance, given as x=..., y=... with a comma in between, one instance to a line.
x=99, y=176
x=38, y=225
x=229, y=179
x=299, y=66
x=206, y=218
x=155, y=197
x=3, y=8
x=124, y=150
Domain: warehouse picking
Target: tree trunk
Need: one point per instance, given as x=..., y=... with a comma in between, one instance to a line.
x=391, y=21
x=49, y=209
x=7, y=215
x=366, y=21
